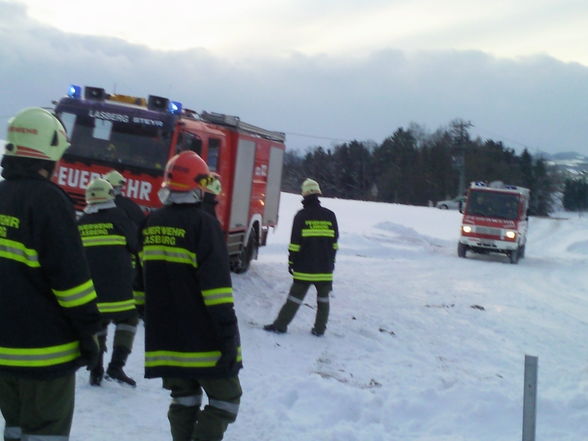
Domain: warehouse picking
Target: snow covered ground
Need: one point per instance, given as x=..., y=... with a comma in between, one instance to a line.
x=421, y=345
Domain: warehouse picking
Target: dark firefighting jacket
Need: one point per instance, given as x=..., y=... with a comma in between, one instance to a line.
x=313, y=243
x=132, y=210
x=110, y=238
x=190, y=320
x=137, y=215
x=47, y=299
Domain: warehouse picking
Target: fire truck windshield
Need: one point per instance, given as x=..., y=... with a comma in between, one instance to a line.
x=117, y=139
x=493, y=204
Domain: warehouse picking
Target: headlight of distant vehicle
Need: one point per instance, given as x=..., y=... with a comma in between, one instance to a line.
x=511, y=235
x=466, y=228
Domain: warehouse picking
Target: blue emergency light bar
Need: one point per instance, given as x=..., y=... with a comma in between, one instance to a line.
x=74, y=92
x=158, y=103
x=175, y=107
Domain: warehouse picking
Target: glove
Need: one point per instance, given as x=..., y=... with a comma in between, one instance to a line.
x=228, y=359
x=90, y=352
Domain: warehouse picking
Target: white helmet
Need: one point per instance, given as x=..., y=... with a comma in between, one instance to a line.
x=310, y=186
x=36, y=133
x=99, y=191
x=115, y=178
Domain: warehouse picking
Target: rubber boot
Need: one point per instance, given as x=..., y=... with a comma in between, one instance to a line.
x=97, y=374
x=115, y=368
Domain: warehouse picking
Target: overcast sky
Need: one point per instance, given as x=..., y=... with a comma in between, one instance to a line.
x=323, y=71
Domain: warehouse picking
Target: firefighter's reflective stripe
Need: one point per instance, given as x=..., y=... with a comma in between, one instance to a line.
x=126, y=328
x=294, y=247
x=168, y=254
x=310, y=277
x=28, y=437
x=185, y=359
x=189, y=401
x=295, y=300
x=311, y=232
x=39, y=357
x=124, y=305
x=139, y=297
x=10, y=249
x=224, y=405
x=76, y=296
x=217, y=296
x=113, y=239
x=181, y=359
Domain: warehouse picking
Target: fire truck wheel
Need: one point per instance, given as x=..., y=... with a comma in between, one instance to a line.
x=247, y=254
x=514, y=256
x=461, y=249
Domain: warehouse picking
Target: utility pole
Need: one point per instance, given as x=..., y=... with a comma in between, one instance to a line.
x=459, y=129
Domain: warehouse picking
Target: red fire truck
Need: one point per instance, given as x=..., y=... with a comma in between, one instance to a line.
x=495, y=220
x=136, y=136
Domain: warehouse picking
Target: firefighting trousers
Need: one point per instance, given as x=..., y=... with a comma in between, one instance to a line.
x=187, y=421
x=295, y=298
x=37, y=409
x=124, y=332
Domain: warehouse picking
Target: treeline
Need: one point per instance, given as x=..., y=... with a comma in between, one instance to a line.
x=417, y=168
x=575, y=194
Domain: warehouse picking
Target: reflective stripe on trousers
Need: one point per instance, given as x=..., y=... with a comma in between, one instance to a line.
x=26, y=437
x=231, y=408
x=188, y=401
x=125, y=327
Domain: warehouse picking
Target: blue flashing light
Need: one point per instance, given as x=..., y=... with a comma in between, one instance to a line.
x=175, y=107
x=74, y=92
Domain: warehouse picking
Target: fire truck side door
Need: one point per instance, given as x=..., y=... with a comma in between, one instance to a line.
x=242, y=183
x=274, y=183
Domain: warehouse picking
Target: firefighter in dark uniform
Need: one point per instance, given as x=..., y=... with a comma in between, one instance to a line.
x=191, y=331
x=211, y=191
x=48, y=314
x=137, y=215
x=311, y=259
x=128, y=205
x=110, y=239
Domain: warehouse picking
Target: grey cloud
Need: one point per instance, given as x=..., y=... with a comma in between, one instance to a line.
x=535, y=101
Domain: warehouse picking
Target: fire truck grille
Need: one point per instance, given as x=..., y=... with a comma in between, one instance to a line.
x=488, y=231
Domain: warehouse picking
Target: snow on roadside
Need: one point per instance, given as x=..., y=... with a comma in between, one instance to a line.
x=421, y=345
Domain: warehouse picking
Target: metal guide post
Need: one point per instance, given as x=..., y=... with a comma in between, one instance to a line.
x=530, y=398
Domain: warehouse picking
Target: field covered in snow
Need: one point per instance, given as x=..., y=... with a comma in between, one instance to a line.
x=420, y=346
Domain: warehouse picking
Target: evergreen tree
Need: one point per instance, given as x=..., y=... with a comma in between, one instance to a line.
x=575, y=195
x=413, y=167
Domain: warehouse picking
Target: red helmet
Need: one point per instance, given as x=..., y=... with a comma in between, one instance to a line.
x=184, y=172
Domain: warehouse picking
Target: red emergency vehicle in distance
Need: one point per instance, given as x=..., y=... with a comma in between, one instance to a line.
x=495, y=220
x=136, y=136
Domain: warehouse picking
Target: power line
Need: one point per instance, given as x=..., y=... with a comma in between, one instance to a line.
x=511, y=140
x=328, y=138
